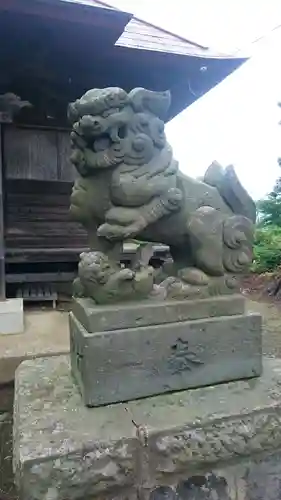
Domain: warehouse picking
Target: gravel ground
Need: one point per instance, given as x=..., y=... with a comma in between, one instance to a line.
x=271, y=314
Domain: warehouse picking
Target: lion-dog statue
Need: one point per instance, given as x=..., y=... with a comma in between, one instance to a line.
x=129, y=186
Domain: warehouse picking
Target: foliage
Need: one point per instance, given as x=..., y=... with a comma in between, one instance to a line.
x=269, y=209
x=267, y=245
x=267, y=248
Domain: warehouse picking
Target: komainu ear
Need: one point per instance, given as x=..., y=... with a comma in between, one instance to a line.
x=157, y=103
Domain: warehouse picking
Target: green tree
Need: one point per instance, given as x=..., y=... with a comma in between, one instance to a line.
x=269, y=209
x=267, y=245
x=267, y=249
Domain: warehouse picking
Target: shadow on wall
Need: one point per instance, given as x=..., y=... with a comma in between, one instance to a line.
x=195, y=488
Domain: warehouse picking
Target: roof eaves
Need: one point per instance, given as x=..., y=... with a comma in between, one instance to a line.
x=175, y=44
x=167, y=32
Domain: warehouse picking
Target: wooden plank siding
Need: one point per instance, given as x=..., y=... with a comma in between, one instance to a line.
x=38, y=183
x=30, y=154
x=37, y=216
x=66, y=171
x=38, y=154
x=2, y=232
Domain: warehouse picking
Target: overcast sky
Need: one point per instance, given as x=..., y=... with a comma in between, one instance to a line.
x=236, y=122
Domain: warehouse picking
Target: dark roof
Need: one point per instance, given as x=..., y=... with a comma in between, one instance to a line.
x=74, y=11
x=68, y=46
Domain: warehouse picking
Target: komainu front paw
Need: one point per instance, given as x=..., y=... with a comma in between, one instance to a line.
x=193, y=276
x=111, y=232
x=192, y=283
x=117, y=232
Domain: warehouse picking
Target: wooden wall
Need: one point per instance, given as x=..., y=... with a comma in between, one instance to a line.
x=37, y=154
x=38, y=183
x=37, y=215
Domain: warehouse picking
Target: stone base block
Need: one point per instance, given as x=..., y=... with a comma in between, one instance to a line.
x=165, y=352
x=97, y=318
x=11, y=316
x=221, y=442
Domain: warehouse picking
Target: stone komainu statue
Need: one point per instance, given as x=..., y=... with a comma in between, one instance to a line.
x=129, y=186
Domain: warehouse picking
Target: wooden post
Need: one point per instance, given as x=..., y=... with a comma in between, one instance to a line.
x=2, y=236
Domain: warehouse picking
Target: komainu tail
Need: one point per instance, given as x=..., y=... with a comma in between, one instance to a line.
x=231, y=190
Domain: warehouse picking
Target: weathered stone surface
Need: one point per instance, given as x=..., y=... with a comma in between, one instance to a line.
x=215, y=443
x=60, y=446
x=257, y=478
x=107, y=282
x=96, y=318
x=211, y=485
x=127, y=364
x=262, y=478
x=129, y=185
x=6, y=476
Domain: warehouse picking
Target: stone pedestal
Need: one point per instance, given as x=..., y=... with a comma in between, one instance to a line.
x=11, y=316
x=221, y=442
x=130, y=351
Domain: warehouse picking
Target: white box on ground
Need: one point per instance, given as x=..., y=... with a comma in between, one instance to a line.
x=11, y=316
